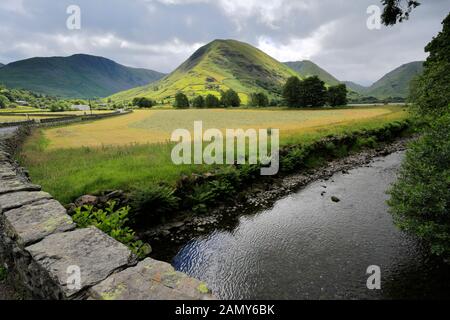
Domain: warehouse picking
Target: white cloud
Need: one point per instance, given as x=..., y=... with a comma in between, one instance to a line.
x=297, y=48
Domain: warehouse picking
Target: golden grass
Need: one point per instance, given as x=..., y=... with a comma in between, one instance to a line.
x=155, y=126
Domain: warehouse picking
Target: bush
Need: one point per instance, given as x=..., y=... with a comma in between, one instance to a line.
x=212, y=101
x=4, y=101
x=420, y=199
x=259, y=100
x=153, y=204
x=143, y=102
x=230, y=98
x=181, y=101
x=114, y=223
x=59, y=106
x=337, y=95
x=198, y=102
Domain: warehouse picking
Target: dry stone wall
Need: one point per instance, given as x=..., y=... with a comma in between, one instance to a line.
x=49, y=258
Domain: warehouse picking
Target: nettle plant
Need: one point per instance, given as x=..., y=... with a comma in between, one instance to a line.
x=113, y=222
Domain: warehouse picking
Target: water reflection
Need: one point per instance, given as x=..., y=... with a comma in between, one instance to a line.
x=309, y=247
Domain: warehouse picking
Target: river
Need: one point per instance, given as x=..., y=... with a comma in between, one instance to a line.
x=309, y=247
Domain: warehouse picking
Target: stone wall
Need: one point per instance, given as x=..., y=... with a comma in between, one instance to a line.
x=60, y=120
x=44, y=252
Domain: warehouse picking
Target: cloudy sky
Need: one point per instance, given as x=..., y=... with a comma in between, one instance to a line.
x=161, y=34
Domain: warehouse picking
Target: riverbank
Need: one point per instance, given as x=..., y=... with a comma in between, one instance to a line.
x=167, y=238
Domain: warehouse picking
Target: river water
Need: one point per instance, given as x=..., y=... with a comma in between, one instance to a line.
x=309, y=247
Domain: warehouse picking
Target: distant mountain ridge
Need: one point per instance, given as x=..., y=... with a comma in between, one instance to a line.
x=76, y=76
x=308, y=68
x=394, y=84
x=1, y=65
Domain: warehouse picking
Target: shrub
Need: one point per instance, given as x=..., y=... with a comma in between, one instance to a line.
x=114, y=223
x=259, y=100
x=4, y=101
x=212, y=101
x=143, y=102
x=230, y=98
x=198, y=102
x=420, y=199
x=337, y=95
x=181, y=101
x=152, y=204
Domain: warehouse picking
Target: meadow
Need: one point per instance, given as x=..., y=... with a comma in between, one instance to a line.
x=132, y=151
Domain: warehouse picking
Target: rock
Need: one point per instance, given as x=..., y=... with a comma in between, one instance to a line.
x=96, y=254
x=335, y=199
x=6, y=171
x=150, y=280
x=86, y=200
x=117, y=195
x=175, y=225
x=15, y=184
x=164, y=233
x=33, y=222
x=16, y=199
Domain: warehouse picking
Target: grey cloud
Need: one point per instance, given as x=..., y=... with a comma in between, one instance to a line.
x=160, y=34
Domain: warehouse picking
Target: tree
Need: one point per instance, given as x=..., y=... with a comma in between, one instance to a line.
x=4, y=101
x=337, y=95
x=143, y=102
x=181, y=101
x=211, y=101
x=291, y=92
x=198, y=102
x=258, y=100
x=59, y=106
x=313, y=92
x=397, y=10
x=430, y=91
x=230, y=98
x=420, y=199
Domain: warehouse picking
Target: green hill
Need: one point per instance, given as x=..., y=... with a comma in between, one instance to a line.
x=355, y=87
x=219, y=65
x=308, y=68
x=77, y=76
x=396, y=83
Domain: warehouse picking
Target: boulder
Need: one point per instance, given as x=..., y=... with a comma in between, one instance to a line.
x=86, y=200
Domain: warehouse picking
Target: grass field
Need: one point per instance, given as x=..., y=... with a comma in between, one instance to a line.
x=156, y=126
x=131, y=151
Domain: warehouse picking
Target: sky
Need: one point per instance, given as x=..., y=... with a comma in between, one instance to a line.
x=161, y=34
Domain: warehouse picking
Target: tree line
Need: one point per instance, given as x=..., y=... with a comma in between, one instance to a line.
x=310, y=92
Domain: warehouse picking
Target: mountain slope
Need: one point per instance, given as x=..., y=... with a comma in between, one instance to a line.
x=308, y=68
x=1, y=65
x=219, y=65
x=355, y=87
x=396, y=83
x=80, y=75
